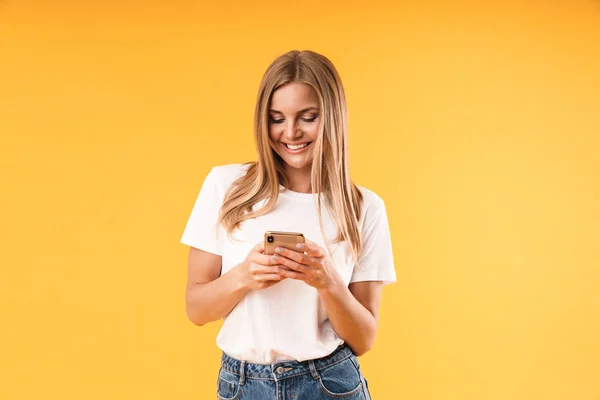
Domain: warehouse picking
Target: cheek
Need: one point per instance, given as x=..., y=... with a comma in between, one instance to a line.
x=273, y=138
x=273, y=133
x=313, y=132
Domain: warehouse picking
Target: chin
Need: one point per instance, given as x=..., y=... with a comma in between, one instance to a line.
x=296, y=164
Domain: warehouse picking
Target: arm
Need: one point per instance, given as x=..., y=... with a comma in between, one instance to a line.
x=210, y=297
x=353, y=312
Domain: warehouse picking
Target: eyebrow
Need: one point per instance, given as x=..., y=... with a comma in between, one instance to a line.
x=299, y=112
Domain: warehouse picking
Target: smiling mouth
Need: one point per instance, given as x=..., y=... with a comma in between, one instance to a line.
x=296, y=146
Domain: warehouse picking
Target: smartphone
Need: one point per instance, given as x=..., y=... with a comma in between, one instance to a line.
x=288, y=240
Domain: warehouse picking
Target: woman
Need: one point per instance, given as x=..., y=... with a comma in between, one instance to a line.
x=294, y=322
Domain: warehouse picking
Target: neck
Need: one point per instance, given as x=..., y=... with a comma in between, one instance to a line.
x=298, y=179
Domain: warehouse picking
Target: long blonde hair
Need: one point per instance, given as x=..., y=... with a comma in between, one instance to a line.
x=330, y=174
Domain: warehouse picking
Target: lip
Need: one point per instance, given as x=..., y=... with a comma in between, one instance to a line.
x=296, y=144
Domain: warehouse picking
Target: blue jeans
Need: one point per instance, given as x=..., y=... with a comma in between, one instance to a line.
x=336, y=376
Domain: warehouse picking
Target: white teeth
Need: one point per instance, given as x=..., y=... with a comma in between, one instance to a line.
x=296, y=147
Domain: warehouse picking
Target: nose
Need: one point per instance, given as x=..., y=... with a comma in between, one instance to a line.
x=292, y=132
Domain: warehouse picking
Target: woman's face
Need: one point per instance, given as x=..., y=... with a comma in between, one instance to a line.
x=294, y=123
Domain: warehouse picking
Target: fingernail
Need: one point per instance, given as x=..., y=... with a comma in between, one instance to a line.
x=275, y=257
x=278, y=249
x=300, y=245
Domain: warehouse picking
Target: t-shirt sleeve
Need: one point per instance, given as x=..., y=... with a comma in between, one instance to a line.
x=376, y=260
x=201, y=230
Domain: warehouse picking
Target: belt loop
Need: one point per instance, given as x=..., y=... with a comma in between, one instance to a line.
x=313, y=370
x=242, y=372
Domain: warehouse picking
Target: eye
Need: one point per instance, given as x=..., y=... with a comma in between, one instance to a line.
x=310, y=119
x=276, y=121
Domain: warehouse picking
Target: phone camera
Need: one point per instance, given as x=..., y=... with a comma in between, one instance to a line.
x=270, y=239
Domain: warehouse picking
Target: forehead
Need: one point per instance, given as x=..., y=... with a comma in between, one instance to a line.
x=294, y=96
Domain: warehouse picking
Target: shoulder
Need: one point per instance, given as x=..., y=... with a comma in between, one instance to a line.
x=371, y=199
x=372, y=205
x=225, y=175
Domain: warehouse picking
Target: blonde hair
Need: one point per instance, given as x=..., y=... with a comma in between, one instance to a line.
x=330, y=176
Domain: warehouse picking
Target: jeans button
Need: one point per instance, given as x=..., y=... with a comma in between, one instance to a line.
x=280, y=370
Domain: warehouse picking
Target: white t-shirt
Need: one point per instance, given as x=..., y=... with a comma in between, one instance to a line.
x=286, y=321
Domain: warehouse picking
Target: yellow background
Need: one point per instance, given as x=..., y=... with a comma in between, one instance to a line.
x=477, y=122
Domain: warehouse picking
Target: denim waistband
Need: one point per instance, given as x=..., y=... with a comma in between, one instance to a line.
x=283, y=369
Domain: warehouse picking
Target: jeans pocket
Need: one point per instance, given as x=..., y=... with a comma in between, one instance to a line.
x=228, y=385
x=362, y=377
x=341, y=380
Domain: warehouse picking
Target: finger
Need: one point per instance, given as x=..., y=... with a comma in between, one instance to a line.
x=300, y=258
x=296, y=266
x=259, y=248
x=291, y=274
x=258, y=269
x=313, y=249
x=268, y=277
x=291, y=254
x=280, y=266
x=263, y=259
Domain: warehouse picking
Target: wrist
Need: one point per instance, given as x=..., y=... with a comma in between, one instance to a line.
x=332, y=287
x=237, y=279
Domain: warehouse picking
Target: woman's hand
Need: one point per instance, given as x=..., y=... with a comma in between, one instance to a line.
x=258, y=270
x=308, y=264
